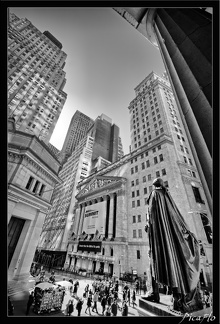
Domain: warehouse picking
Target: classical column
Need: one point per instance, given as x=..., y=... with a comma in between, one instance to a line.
x=77, y=219
x=107, y=199
x=111, y=216
x=203, y=161
x=81, y=219
x=188, y=38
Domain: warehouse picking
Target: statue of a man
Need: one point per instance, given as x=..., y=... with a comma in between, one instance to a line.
x=174, y=250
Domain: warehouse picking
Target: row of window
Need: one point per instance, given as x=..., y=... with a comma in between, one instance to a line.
x=149, y=178
x=38, y=188
x=156, y=160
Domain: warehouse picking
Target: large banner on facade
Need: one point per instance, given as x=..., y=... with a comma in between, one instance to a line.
x=94, y=219
x=89, y=246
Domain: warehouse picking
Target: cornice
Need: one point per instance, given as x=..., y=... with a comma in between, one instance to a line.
x=20, y=195
x=25, y=159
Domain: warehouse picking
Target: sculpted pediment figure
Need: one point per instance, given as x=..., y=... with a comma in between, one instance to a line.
x=98, y=183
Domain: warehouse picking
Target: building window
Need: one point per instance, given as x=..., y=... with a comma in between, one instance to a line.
x=164, y=172
x=138, y=203
x=149, y=177
x=149, y=137
x=185, y=159
x=197, y=195
x=137, y=181
x=133, y=204
x=145, y=191
x=132, y=194
x=30, y=181
x=134, y=219
x=155, y=160
x=154, y=150
x=139, y=218
x=137, y=193
x=166, y=184
x=139, y=233
x=159, y=147
x=138, y=252
x=161, y=130
x=144, y=178
x=190, y=161
x=143, y=165
x=41, y=190
x=161, y=157
x=146, y=153
x=157, y=174
x=136, y=168
x=145, y=201
x=134, y=234
x=132, y=183
x=36, y=186
x=148, y=163
x=193, y=173
x=132, y=170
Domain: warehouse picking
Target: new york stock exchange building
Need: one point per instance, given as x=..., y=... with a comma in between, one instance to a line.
x=104, y=238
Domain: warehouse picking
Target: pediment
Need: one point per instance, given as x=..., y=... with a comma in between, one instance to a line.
x=98, y=183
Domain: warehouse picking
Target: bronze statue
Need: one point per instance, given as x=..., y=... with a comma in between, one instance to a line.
x=174, y=251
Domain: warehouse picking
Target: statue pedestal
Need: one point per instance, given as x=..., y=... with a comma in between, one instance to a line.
x=164, y=307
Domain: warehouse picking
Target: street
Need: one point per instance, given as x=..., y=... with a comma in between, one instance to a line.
x=20, y=298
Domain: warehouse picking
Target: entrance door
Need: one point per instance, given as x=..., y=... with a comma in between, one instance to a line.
x=15, y=227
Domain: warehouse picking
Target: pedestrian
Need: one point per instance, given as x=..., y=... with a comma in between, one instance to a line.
x=76, y=285
x=108, y=311
x=124, y=311
x=10, y=307
x=30, y=302
x=86, y=290
x=137, y=287
x=103, y=304
x=79, y=305
x=134, y=299
x=89, y=304
x=66, y=311
x=95, y=299
x=109, y=300
x=128, y=296
x=70, y=308
x=114, y=308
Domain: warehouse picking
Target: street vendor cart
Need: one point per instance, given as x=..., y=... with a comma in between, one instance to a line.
x=48, y=298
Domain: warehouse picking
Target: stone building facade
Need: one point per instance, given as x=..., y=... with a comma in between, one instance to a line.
x=32, y=176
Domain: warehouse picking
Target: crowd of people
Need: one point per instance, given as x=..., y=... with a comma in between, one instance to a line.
x=104, y=292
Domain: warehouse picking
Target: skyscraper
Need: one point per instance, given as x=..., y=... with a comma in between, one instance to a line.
x=35, y=78
x=79, y=125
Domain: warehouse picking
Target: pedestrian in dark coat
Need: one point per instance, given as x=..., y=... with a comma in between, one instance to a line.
x=114, y=308
x=89, y=304
x=124, y=309
x=30, y=302
x=103, y=304
x=134, y=298
x=79, y=306
x=70, y=308
x=128, y=296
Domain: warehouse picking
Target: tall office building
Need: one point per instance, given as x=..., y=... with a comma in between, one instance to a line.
x=110, y=211
x=35, y=78
x=100, y=147
x=79, y=125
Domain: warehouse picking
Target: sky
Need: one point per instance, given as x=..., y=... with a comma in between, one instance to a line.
x=106, y=59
